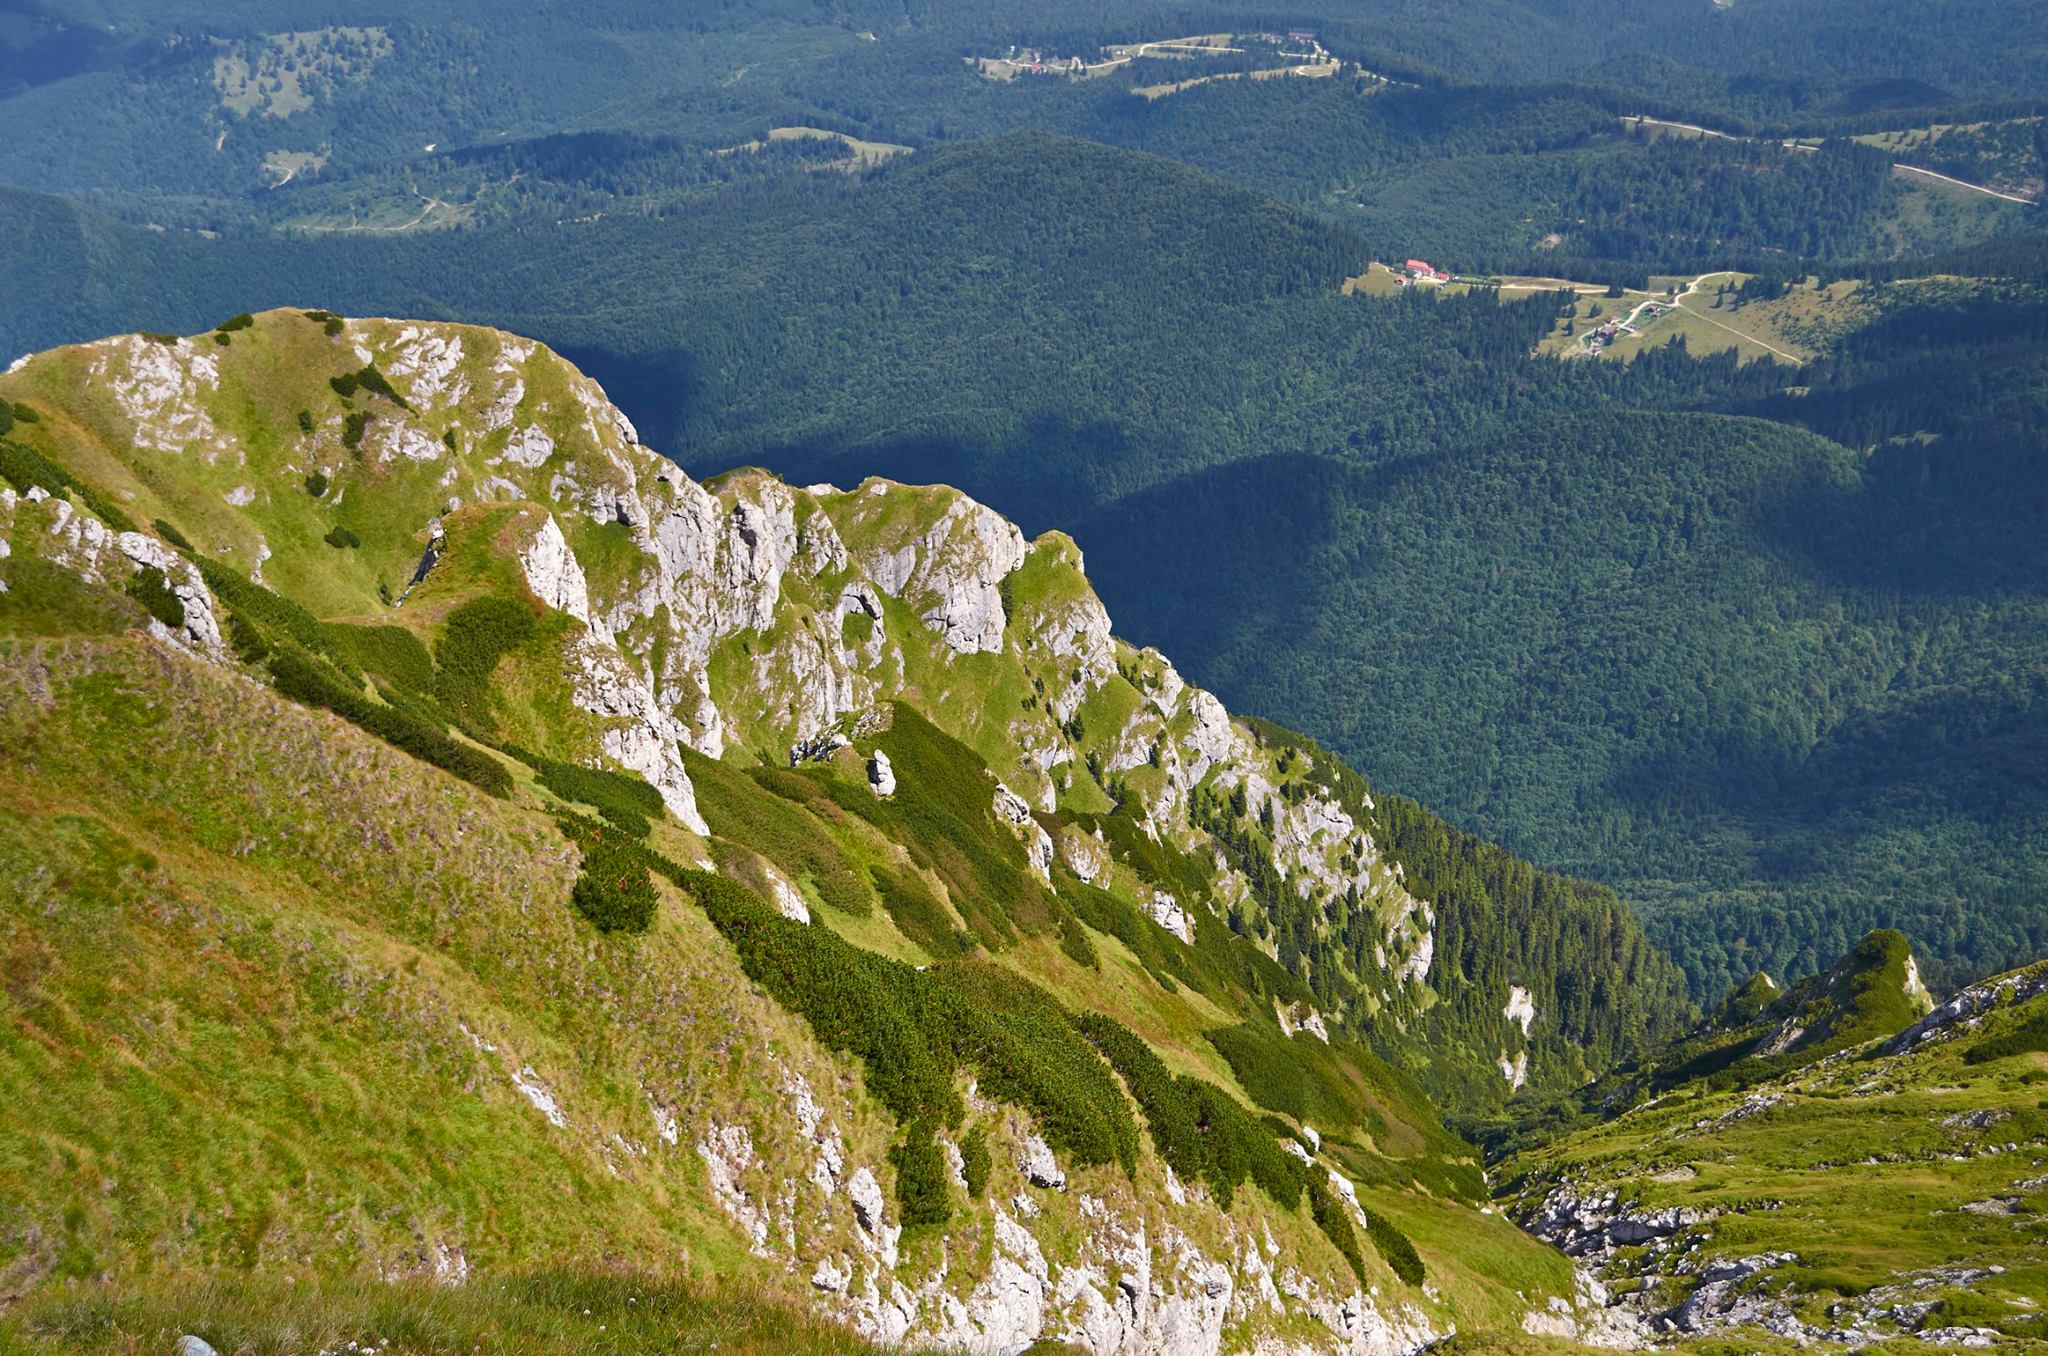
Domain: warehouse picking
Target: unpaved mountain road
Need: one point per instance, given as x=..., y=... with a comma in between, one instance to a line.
x=1898, y=166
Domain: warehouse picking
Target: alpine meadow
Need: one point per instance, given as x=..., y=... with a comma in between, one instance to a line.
x=842, y=676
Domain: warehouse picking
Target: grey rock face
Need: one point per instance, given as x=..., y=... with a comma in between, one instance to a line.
x=1720, y=1301
x=1969, y=1006
x=953, y=572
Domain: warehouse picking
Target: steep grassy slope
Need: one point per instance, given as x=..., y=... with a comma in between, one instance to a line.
x=290, y=999
x=284, y=1000
x=1857, y=1174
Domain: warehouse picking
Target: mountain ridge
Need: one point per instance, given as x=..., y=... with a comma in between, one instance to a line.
x=446, y=539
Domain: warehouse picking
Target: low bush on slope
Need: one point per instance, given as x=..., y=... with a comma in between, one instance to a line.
x=913, y=1029
x=306, y=679
x=1200, y=1132
x=626, y=802
x=25, y=468
x=1204, y=1135
x=756, y=811
x=941, y=813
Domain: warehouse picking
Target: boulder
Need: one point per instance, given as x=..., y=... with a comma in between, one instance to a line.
x=881, y=777
x=1035, y=1160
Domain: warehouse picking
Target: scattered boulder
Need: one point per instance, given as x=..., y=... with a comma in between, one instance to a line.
x=1596, y=1225
x=866, y=1194
x=881, y=777
x=1035, y=1160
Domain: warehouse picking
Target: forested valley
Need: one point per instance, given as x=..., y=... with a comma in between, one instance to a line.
x=1759, y=649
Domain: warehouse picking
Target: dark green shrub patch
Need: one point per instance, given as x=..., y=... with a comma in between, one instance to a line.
x=1338, y=1086
x=354, y=427
x=1075, y=942
x=917, y=911
x=171, y=535
x=477, y=635
x=1170, y=1117
x=1333, y=1217
x=2029, y=1037
x=1159, y=951
x=391, y=652
x=341, y=539
x=149, y=587
x=756, y=811
x=1241, y=1146
x=1394, y=1246
x=235, y=322
x=1203, y=1134
x=304, y=678
x=316, y=484
x=1200, y=1131
x=913, y=1029
x=855, y=1001
x=247, y=639
x=976, y=1162
x=922, y=1175
x=942, y=812
x=367, y=378
x=613, y=890
x=25, y=467
x=266, y=614
x=1025, y=1050
x=626, y=800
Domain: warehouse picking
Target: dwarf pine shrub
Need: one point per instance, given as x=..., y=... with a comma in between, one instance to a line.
x=1394, y=1246
x=353, y=428
x=922, y=1175
x=976, y=1163
x=477, y=635
x=24, y=468
x=2028, y=1038
x=312, y=682
x=149, y=587
x=625, y=800
x=613, y=890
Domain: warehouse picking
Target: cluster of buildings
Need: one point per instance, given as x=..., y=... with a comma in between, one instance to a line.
x=1614, y=327
x=1034, y=62
x=1421, y=270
